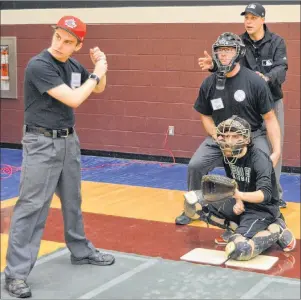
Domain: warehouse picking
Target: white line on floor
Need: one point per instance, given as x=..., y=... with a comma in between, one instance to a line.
x=262, y=285
x=118, y=279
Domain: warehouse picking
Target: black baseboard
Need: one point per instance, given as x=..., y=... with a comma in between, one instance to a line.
x=136, y=156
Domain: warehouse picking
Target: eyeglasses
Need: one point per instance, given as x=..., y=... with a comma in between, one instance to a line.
x=225, y=50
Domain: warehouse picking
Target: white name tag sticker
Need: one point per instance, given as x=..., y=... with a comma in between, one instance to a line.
x=217, y=103
x=75, y=80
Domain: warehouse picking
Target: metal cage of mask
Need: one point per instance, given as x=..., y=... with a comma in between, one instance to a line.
x=238, y=126
x=232, y=40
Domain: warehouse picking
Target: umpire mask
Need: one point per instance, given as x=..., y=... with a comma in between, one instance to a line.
x=225, y=41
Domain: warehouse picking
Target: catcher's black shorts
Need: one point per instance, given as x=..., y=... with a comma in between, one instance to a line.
x=249, y=223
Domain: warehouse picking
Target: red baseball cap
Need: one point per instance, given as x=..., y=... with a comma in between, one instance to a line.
x=73, y=25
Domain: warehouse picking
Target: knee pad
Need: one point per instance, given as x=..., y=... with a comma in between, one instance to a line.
x=265, y=239
x=194, y=204
x=239, y=248
x=190, y=210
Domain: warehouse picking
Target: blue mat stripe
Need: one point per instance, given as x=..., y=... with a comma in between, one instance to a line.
x=128, y=172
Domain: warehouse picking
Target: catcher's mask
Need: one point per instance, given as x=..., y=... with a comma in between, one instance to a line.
x=229, y=40
x=233, y=135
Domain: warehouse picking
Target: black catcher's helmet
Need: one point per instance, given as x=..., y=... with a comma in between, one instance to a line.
x=228, y=39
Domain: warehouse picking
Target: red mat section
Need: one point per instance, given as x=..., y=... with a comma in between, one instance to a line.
x=156, y=239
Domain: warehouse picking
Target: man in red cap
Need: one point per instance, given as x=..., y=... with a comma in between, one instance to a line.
x=54, y=85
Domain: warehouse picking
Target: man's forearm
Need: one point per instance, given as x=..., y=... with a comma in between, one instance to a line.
x=252, y=197
x=209, y=125
x=277, y=75
x=273, y=132
x=102, y=85
x=84, y=91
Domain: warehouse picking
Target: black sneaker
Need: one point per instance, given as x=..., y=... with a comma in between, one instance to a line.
x=282, y=204
x=183, y=219
x=97, y=258
x=223, y=239
x=17, y=288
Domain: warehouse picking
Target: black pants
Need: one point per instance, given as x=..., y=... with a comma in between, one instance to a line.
x=249, y=223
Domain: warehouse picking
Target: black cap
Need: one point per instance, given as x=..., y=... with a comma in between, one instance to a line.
x=255, y=9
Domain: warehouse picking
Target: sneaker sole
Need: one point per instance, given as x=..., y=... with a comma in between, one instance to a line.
x=91, y=262
x=220, y=242
x=289, y=249
x=24, y=295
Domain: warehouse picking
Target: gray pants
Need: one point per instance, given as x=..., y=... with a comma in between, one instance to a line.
x=209, y=156
x=279, y=112
x=49, y=165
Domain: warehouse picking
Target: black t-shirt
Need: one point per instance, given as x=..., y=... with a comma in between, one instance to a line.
x=245, y=94
x=43, y=73
x=254, y=172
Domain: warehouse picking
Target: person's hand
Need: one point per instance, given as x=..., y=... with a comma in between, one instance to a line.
x=205, y=62
x=239, y=207
x=262, y=76
x=101, y=68
x=96, y=55
x=237, y=195
x=274, y=158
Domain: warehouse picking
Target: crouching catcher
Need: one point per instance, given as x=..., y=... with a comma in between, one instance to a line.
x=246, y=201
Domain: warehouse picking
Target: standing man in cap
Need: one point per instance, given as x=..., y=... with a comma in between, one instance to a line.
x=54, y=84
x=265, y=55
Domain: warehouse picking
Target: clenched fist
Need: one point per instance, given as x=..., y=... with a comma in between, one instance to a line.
x=96, y=55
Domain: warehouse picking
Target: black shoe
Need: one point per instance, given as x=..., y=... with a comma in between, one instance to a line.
x=282, y=203
x=183, y=219
x=17, y=288
x=97, y=258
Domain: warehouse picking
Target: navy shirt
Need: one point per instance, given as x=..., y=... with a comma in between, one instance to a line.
x=43, y=73
x=245, y=94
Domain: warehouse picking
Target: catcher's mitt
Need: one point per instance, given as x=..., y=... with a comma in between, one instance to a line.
x=217, y=188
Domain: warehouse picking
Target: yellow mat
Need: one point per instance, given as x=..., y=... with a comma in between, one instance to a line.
x=46, y=248
x=146, y=203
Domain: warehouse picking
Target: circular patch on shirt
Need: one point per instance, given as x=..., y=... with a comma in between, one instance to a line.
x=239, y=95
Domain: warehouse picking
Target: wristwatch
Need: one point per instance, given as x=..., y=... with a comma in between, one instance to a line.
x=95, y=77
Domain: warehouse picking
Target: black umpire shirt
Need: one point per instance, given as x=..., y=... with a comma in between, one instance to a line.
x=245, y=94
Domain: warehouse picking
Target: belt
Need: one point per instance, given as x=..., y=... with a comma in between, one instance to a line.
x=54, y=133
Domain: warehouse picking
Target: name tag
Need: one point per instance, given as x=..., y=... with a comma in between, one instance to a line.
x=217, y=103
x=75, y=80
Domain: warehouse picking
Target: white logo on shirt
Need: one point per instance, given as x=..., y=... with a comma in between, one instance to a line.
x=267, y=62
x=241, y=173
x=70, y=23
x=239, y=95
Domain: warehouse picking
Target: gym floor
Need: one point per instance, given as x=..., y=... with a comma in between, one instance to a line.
x=129, y=207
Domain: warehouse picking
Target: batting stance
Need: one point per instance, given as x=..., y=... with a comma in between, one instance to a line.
x=54, y=84
x=252, y=214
